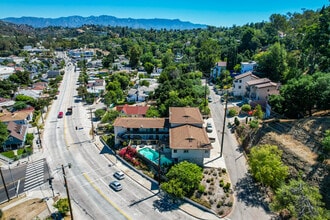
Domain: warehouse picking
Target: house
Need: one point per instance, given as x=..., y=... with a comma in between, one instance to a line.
x=188, y=139
x=248, y=66
x=5, y=103
x=219, y=67
x=22, y=117
x=239, y=83
x=132, y=111
x=17, y=136
x=183, y=134
x=96, y=86
x=6, y=71
x=53, y=73
x=261, y=89
x=143, y=129
x=141, y=93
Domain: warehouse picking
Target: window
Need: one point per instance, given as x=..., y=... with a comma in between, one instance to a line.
x=186, y=151
x=174, y=151
x=206, y=151
x=239, y=87
x=240, y=81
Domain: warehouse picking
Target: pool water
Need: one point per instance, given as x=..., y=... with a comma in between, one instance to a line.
x=153, y=155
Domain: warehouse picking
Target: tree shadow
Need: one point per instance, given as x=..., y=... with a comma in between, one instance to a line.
x=249, y=192
x=166, y=203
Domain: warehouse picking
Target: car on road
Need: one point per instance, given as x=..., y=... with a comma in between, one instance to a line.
x=119, y=175
x=209, y=99
x=60, y=115
x=209, y=127
x=116, y=185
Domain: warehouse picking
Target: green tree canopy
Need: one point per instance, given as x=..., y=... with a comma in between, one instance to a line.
x=266, y=165
x=273, y=62
x=302, y=200
x=3, y=133
x=183, y=179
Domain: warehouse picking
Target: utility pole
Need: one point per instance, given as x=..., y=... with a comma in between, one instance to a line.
x=224, y=124
x=39, y=136
x=91, y=113
x=4, y=184
x=67, y=190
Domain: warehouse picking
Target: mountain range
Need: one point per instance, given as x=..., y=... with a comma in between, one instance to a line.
x=105, y=20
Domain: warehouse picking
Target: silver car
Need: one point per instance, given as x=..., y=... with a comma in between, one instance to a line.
x=119, y=175
x=116, y=185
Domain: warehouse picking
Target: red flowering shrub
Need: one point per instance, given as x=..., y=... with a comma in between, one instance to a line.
x=129, y=153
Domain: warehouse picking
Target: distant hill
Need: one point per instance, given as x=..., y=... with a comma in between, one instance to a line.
x=104, y=20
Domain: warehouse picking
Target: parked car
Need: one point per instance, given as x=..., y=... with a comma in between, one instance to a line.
x=116, y=185
x=209, y=99
x=209, y=127
x=119, y=175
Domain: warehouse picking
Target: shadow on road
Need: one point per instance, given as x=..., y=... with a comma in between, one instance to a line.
x=248, y=191
x=140, y=200
x=166, y=203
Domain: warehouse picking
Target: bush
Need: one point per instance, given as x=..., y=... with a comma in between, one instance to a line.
x=201, y=188
x=63, y=206
x=246, y=108
x=254, y=124
x=226, y=187
x=236, y=121
x=232, y=112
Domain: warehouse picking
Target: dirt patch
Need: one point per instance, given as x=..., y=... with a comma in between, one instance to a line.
x=294, y=147
x=26, y=210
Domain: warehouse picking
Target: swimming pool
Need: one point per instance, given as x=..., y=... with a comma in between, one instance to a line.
x=153, y=156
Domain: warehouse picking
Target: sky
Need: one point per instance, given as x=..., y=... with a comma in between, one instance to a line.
x=217, y=13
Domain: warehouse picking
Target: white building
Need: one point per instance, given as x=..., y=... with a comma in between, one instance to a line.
x=239, y=83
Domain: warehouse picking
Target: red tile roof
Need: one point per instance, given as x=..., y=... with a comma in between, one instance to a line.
x=132, y=110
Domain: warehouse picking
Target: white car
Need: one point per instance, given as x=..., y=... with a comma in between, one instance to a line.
x=209, y=127
x=116, y=185
x=119, y=175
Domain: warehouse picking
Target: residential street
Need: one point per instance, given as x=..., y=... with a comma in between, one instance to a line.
x=248, y=205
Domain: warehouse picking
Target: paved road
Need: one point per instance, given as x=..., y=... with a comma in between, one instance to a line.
x=248, y=204
x=89, y=176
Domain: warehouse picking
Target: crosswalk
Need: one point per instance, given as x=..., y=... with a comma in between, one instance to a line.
x=34, y=175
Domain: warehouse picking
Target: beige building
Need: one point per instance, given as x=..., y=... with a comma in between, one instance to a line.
x=239, y=83
x=182, y=134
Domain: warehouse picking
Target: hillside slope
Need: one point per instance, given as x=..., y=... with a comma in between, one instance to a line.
x=300, y=141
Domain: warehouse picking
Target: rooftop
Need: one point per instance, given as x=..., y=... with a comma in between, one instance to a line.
x=185, y=115
x=189, y=137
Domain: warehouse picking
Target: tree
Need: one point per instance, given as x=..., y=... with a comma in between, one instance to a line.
x=152, y=112
x=266, y=165
x=273, y=63
x=134, y=55
x=258, y=112
x=149, y=67
x=208, y=54
x=183, y=179
x=99, y=113
x=302, y=200
x=326, y=141
x=19, y=105
x=3, y=133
